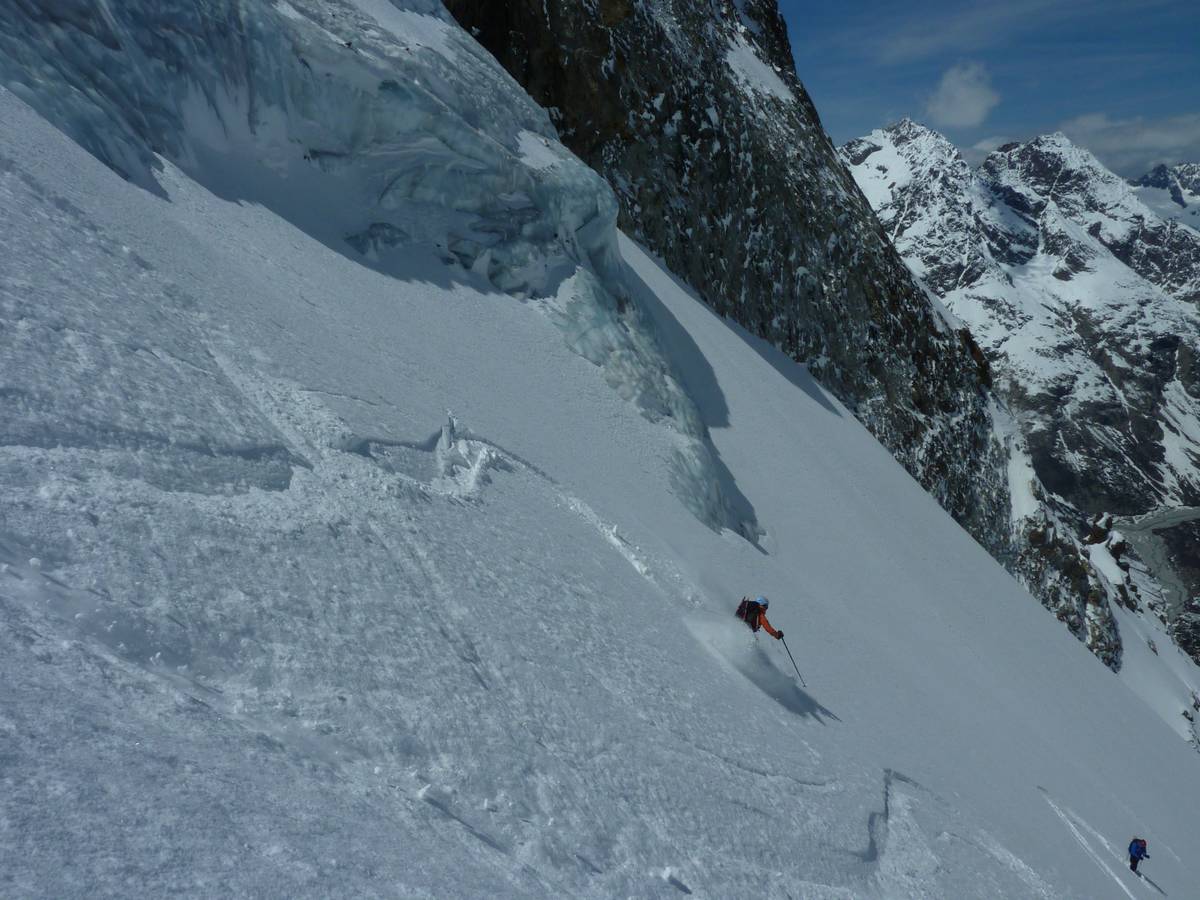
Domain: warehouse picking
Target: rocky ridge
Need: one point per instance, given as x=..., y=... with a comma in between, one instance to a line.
x=1083, y=301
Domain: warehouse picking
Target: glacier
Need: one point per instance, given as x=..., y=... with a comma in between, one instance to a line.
x=381, y=538
x=373, y=128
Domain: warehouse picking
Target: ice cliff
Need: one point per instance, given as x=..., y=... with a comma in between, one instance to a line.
x=373, y=140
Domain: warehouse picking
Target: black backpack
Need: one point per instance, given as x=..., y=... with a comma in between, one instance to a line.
x=748, y=612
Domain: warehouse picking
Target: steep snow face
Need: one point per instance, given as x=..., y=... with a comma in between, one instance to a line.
x=1081, y=297
x=272, y=624
x=374, y=128
x=755, y=74
x=694, y=113
x=1173, y=192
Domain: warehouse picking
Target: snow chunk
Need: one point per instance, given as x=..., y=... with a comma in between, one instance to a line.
x=1021, y=474
x=1104, y=563
x=289, y=11
x=537, y=152
x=412, y=27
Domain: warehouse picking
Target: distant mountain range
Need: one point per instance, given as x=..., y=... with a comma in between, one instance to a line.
x=1173, y=192
x=1083, y=296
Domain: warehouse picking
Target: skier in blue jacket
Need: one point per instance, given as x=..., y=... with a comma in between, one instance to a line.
x=1137, y=852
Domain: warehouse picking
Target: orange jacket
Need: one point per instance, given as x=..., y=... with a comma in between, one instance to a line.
x=762, y=620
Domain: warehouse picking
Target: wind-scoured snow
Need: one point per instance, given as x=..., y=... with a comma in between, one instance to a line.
x=752, y=72
x=330, y=573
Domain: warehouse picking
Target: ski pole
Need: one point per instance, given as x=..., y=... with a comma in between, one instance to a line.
x=793, y=659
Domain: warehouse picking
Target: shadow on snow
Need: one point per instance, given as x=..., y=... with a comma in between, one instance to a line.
x=758, y=667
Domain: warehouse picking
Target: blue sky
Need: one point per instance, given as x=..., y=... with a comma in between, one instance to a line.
x=1120, y=77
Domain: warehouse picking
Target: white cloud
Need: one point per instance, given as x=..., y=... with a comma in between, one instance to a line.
x=965, y=29
x=963, y=98
x=1132, y=147
x=906, y=36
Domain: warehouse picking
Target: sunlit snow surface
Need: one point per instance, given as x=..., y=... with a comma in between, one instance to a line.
x=324, y=578
x=755, y=74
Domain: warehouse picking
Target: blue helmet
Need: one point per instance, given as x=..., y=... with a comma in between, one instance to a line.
x=762, y=601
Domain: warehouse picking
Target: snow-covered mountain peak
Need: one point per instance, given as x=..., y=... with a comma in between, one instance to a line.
x=901, y=155
x=1081, y=296
x=1053, y=169
x=913, y=176
x=922, y=145
x=1057, y=142
x=908, y=129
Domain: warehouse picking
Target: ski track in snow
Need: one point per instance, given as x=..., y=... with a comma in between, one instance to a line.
x=1077, y=826
x=461, y=461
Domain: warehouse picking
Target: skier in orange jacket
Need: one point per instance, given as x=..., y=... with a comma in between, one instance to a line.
x=754, y=614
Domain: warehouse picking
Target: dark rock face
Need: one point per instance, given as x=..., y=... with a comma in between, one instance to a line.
x=1186, y=629
x=1183, y=548
x=1051, y=562
x=693, y=112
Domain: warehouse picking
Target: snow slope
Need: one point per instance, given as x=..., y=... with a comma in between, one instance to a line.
x=326, y=580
